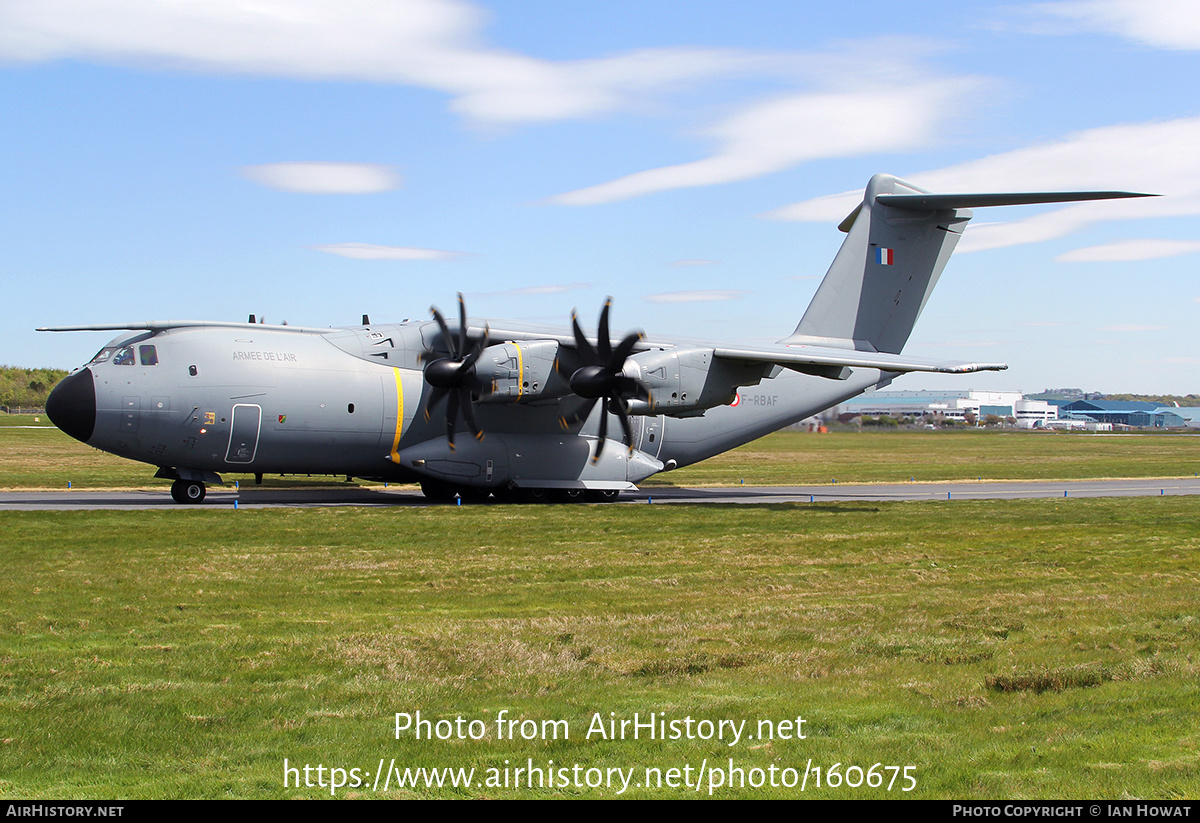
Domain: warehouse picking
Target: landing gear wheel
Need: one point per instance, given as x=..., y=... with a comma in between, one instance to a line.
x=568, y=495
x=187, y=491
x=602, y=495
x=473, y=494
x=530, y=495
x=506, y=494
x=436, y=492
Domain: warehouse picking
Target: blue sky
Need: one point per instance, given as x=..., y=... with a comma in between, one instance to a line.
x=311, y=161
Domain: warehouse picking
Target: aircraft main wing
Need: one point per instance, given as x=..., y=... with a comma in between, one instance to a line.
x=831, y=362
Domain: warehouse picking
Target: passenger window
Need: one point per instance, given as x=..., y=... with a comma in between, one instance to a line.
x=124, y=357
x=148, y=355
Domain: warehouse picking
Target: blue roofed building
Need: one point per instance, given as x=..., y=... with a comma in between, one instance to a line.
x=1116, y=412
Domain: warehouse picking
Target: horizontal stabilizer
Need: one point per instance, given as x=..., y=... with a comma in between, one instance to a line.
x=934, y=202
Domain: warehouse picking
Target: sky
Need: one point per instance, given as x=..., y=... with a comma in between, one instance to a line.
x=312, y=161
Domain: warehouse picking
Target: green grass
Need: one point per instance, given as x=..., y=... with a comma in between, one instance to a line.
x=794, y=458
x=1020, y=649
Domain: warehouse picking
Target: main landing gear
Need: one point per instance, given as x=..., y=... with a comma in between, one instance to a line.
x=187, y=491
x=439, y=492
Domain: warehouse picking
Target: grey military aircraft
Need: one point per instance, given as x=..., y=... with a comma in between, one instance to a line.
x=498, y=409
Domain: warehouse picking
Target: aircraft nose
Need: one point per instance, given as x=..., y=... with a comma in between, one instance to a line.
x=72, y=405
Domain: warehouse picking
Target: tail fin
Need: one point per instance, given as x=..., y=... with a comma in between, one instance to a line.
x=899, y=240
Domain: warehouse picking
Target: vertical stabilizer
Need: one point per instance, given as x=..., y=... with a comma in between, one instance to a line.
x=899, y=240
x=883, y=274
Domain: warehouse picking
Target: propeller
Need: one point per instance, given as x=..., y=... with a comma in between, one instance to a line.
x=600, y=378
x=453, y=377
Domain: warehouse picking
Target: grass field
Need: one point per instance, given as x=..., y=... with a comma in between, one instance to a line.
x=1001, y=649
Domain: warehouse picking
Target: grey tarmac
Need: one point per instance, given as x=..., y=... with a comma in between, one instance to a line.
x=255, y=498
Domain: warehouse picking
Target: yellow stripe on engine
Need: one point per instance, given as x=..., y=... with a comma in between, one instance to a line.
x=520, y=371
x=399, y=416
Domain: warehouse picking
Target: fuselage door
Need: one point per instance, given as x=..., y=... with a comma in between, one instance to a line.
x=648, y=436
x=243, y=433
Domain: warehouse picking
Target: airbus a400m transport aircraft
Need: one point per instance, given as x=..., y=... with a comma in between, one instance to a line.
x=489, y=408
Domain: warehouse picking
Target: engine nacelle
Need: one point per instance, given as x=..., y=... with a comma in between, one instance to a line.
x=687, y=381
x=678, y=380
x=518, y=371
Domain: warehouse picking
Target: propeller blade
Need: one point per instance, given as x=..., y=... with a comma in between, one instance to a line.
x=451, y=416
x=476, y=350
x=468, y=411
x=586, y=352
x=625, y=348
x=462, y=326
x=603, y=432
x=579, y=416
x=623, y=416
x=605, y=341
x=441, y=321
x=434, y=396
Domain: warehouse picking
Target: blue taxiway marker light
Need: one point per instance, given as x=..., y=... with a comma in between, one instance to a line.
x=235, y=504
x=236, y=487
x=649, y=499
x=458, y=501
x=68, y=484
x=1064, y=492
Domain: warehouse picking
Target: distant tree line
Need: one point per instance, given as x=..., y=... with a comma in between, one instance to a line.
x=27, y=387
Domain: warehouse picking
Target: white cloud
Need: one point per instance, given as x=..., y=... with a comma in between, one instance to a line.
x=324, y=178
x=367, y=251
x=778, y=134
x=433, y=44
x=1133, y=327
x=699, y=296
x=1155, y=158
x=1165, y=24
x=1126, y=250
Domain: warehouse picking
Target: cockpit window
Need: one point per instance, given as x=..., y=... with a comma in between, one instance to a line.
x=124, y=357
x=101, y=355
x=148, y=355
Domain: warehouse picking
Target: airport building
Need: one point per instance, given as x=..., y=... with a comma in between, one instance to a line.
x=1168, y=417
x=960, y=406
x=1116, y=412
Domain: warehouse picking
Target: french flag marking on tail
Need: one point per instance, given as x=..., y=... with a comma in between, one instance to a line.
x=885, y=257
